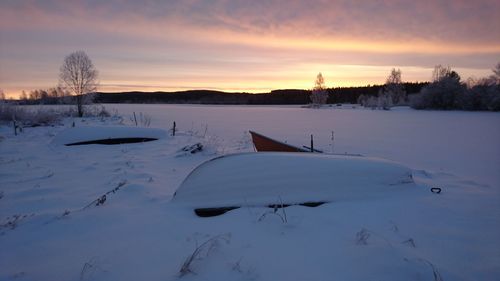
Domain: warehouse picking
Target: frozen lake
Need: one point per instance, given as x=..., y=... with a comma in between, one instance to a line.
x=466, y=144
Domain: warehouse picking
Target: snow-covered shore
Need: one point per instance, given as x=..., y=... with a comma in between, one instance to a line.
x=49, y=233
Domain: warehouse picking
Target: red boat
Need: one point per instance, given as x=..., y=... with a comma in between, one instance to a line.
x=263, y=143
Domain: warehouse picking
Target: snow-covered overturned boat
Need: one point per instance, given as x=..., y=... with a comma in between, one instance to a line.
x=274, y=178
x=107, y=135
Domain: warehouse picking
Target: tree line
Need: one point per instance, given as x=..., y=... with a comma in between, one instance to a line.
x=275, y=97
x=79, y=79
x=447, y=91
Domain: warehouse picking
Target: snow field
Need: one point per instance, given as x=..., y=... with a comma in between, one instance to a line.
x=137, y=233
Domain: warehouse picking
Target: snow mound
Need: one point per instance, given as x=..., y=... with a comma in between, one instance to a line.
x=92, y=133
x=266, y=178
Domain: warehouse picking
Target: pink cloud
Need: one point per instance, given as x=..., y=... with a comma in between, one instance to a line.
x=181, y=38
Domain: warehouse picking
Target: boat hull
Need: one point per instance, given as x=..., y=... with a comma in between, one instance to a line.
x=263, y=143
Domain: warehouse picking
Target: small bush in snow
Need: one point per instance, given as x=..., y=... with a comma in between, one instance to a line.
x=362, y=237
x=203, y=251
x=40, y=115
x=276, y=207
x=96, y=111
x=144, y=119
x=89, y=269
x=382, y=101
x=10, y=112
x=37, y=116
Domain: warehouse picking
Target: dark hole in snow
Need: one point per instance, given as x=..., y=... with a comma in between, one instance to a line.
x=305, y=204
x=213, y=212
x=312, y=204
x=113, y=141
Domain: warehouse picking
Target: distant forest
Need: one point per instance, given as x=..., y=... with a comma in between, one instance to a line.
x=289, y=96
x=446, y=91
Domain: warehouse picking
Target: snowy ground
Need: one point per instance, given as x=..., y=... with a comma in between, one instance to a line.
x=47, y=231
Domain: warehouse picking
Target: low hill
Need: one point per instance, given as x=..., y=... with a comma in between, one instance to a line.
x=286, y=96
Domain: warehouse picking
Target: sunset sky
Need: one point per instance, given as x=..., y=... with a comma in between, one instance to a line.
x=252, y=46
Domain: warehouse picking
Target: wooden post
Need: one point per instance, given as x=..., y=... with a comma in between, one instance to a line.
x=173, y=130
x=15, y=127
x=312, y=144
x=135, y=119
x=333, y=142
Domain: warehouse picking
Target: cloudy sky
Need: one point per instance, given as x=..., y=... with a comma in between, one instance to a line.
x=252, y=46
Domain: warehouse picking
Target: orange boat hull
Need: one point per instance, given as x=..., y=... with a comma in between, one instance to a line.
x=263, y=143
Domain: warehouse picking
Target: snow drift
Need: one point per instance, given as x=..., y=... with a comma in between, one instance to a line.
x=260, y=179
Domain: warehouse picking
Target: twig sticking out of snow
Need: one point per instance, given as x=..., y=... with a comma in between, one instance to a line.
x=102, y=199
x=97, y=202
x=275, y=212
x=12, y=222
x=362, y=237
x=202, y=251
x=410, y=242
x=197, y=147
x=435, y=271
x=89, y=268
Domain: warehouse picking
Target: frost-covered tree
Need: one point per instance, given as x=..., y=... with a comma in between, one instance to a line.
x=369, y=101
x=448, y=92
x=440, y=72
x=495, y=78
x=394, y=88
x=443, y=92
x=79, y=75
x=362, y=100
x=319, y=94
x=484, y=94
x=384, y=101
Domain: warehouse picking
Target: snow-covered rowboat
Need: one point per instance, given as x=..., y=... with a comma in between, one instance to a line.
x=277, y=178
x=107, y=135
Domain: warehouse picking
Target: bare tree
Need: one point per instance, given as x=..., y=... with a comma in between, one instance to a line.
x=440, y=72
x=495, y=78
x=496, y=70
x=23, y=96
x=79, y=76
x=319, y=93
x=384, y=101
